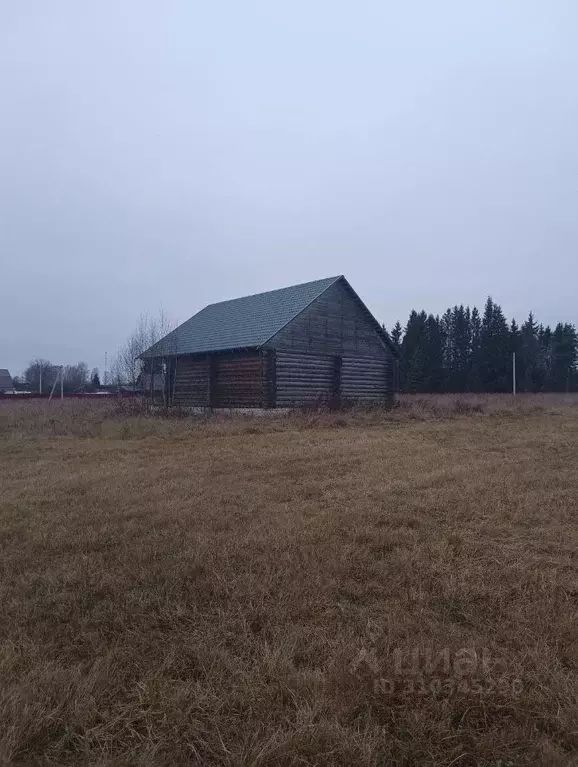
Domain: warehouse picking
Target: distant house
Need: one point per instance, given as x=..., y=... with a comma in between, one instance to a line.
x=6, y=384
x=288, y=347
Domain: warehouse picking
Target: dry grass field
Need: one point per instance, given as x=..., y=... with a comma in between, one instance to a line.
x=315, y=589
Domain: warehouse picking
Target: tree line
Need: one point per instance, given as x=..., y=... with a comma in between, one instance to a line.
x=42, y=375
x=463, y=350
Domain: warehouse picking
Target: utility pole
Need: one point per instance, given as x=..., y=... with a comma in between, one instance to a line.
x=39, y=378
x=62, y=382
x=104, y=381
x=53, y=387
x=514, y=373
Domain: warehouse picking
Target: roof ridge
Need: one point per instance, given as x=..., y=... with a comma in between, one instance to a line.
x=329, y=280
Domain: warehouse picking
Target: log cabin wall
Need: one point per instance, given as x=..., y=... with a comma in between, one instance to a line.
x=219, y=380
x=332, y=349
x=303, y=378
x=191, y=388
x=238, y=380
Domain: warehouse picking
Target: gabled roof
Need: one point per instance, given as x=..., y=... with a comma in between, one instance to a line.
x=246, y=322
x=240, y=323
x=5, y=379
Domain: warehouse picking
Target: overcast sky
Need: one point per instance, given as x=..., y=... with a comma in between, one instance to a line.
x=180, y=153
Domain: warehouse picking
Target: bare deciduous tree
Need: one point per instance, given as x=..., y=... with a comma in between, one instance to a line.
x=40, y=374
x=127, y=367
x=75, y=377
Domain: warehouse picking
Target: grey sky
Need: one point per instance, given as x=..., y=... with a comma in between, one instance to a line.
x=180, y=153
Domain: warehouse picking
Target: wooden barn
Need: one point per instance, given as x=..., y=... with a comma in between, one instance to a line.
x=284, y=348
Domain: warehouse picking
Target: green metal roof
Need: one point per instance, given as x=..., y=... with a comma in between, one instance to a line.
x=240, y=323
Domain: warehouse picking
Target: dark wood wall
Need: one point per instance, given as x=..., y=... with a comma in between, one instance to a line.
x=332, y=350
x=306, y=378
x=366, y=379
x=191, y=383
x=238, y=381
x=336, y=323
x=303, y=378
x=219, y=380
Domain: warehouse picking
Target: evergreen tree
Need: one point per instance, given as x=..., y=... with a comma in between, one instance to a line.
x=494, y=343
x=416, y=372
x=414, y=362
x=564, y=356
x=461, y=332
x=396, y=334
x=545, y=357
x=474, y=381
x=515, y=347
x=446, y=329
x=531, y=377
x=434, y=347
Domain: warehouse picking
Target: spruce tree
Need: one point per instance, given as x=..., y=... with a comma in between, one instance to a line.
x=461, y=348
x=434, y=347
x=396, y=334
x=494, y=357
x=413, y=354
x=531, y=375
x=545, y=357
x=487, y=369
x=515, y=347
x=416, y=372
x=447, y=332
x=474, y=382
x=564, y=355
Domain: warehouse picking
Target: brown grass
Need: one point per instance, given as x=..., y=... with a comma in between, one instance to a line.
x=269, y=591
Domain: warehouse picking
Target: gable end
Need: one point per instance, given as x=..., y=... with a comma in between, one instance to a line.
x=336, y=322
